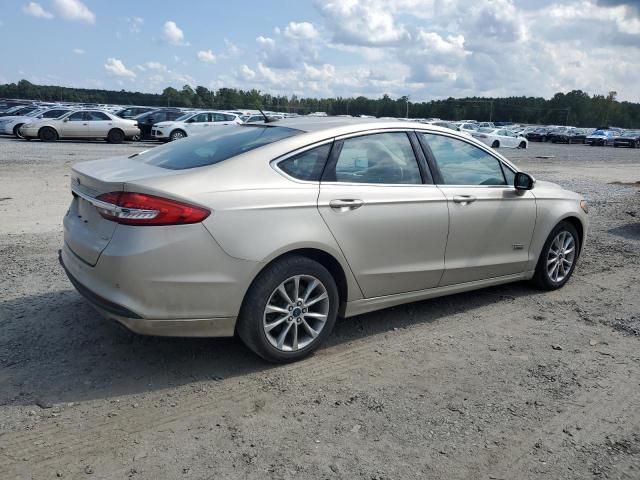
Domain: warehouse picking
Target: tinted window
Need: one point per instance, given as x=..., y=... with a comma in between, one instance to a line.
x=76, y=117
x=461, y=163
x=96, y=116
x=307, y=165
x=217, y=117
x=54, y=113
x=201, y=117
x=380, y=158
x=214, y=147
x=229, y=118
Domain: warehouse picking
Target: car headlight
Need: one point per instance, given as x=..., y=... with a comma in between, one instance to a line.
x=584, y=206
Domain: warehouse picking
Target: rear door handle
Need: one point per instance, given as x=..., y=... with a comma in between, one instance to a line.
x=464, y=199
x=344, y=205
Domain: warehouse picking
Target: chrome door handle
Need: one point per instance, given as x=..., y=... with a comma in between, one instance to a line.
x=464, y=199
x=344, y=205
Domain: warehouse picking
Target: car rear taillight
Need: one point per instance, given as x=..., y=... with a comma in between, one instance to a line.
x=129, y=208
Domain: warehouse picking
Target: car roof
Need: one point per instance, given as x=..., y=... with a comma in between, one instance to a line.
x=342, y=125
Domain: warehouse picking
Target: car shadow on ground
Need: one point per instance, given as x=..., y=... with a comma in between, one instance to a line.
x=55, y=348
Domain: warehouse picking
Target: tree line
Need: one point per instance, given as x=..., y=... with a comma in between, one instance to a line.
x=576, y=107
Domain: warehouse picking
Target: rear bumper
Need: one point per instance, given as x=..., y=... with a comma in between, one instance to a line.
x=184, y=327
x=166, y=280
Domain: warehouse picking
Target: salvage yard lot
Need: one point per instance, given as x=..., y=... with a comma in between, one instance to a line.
x=506, y=382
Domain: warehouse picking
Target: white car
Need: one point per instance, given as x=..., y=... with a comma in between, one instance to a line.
x=81, y=124
x=192, y=123
x=468, y=127
x=11, y=125
x=500, y=137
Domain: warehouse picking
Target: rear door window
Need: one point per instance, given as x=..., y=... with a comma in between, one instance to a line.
x=383, y=158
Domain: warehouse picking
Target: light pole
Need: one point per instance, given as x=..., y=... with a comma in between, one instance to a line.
x=407, y=115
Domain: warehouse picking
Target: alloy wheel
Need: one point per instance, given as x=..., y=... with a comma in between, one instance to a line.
x=296, y=313
x=562, y=254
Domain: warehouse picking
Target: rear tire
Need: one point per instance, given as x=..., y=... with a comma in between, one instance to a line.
x=558, y=257
x=47, y=134
x=115, y=136
x=495, y=144
x=522, y=145
x=285, y=327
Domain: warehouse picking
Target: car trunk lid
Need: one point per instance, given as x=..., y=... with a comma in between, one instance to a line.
x=86, y=232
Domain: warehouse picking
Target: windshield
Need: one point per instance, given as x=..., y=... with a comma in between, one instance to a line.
x=599, y=132
x=210, y=149
x=35, y=113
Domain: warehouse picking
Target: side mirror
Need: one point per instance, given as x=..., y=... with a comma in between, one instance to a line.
x=66, y=119
x=523, y=181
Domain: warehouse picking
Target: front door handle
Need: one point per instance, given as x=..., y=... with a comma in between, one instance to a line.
x=344, y=205
x=464, y=199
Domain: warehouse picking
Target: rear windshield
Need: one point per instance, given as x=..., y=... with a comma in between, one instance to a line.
x=209, y=149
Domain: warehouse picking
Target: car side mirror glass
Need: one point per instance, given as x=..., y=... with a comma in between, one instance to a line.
x=66, y=120
x=523, y=181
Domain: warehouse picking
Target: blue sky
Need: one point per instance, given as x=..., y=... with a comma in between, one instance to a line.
x=424, y=48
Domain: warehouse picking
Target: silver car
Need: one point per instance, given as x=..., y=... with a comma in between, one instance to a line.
x=81, y=124
x=272, y=230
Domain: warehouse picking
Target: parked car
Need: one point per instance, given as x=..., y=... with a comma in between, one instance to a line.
x=192, y=123
x=537, y=135
x=272, y=230
x=81, y=124
x=132, y=112
x=147, y=120
x=500, y=137
x=486, y=125
x=467, y=126
x=629, y=138
x=570, y=135
x=11, y=125
x=601, y=138
x=18, y=111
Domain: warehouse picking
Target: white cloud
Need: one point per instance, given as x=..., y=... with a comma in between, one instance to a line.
x=246, y=73
x=302, y=30
x=78, y=51
x=206, y=56
x=116, y=68
x=156, y=66
x=173, y=34
x=35, y=10
x=135, y=24
x=74, y=10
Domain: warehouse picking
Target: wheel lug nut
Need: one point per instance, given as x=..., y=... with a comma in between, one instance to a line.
x=290, y=319
x=304, y=310
x=299, y=303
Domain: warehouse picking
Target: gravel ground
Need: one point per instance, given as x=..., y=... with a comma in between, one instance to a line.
x=501, y=383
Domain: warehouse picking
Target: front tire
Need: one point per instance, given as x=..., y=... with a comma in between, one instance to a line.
x=289, y=310
x=558, y=257
x=47, y=134
x=177, y=135
x=522, y=145
x=16, y=131
x=495, y=144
